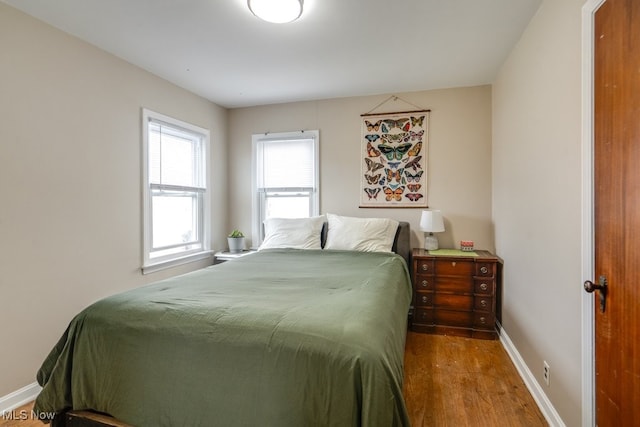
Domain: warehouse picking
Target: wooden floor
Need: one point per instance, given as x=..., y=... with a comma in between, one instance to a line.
x=453, y=381
x=449, y=381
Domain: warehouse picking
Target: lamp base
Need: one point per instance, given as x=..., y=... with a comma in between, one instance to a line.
x=430, y=242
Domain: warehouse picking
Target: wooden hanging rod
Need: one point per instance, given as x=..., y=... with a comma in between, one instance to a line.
x=396, y=112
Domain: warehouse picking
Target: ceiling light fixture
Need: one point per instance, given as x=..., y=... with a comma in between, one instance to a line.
x=276, y=11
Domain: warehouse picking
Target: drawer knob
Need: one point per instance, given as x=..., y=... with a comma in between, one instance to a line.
x=483, y=320
x=425, y=283
x=484, y=286
x=483, y=303
x=484, y=270
x=425, y=267
x=425, y=299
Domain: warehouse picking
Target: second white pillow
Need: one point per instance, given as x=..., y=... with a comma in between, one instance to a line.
x=361, y=234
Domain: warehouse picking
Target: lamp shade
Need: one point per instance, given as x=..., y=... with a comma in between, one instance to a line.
x=431, y=221
x=276, y=11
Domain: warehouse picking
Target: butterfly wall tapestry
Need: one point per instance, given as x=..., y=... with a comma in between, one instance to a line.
x=394, y=159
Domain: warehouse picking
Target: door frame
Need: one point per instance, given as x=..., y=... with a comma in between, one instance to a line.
x=588, y=252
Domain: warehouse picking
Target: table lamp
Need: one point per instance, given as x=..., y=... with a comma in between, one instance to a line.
x=431, y=222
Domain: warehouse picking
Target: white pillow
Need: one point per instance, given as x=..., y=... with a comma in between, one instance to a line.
x=361, y=234
x=295, y=233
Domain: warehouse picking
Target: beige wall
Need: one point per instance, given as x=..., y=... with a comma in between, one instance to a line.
x=459, y=165
x=70, y=212
x=536, y=198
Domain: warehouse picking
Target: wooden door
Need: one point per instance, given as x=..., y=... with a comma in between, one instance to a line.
x=617, y=211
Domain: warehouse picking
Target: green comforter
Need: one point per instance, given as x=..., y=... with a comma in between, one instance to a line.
x=276, y=338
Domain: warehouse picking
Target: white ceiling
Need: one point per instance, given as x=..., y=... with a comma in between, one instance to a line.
x=338, y=48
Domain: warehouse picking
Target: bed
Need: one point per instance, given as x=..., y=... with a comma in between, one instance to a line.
x=282, y=337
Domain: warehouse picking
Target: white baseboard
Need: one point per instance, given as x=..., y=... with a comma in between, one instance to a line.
x=19, y=397
x=547, y=409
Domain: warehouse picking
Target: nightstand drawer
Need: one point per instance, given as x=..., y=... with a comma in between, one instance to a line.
x=453, y=302
x=454, y=268
x=454, y=318
x=483, y=303
x=484, y=320
x=424, y=283
x=447, y=301
x=457, y=284
x=425, y=266
x=424, y=299
x=484, y=286
x=425, y=316
x=485, y=269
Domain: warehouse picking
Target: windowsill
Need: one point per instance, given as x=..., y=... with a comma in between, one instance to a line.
x=163, y=265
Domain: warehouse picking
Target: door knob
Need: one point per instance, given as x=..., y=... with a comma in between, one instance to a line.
x=601, y=287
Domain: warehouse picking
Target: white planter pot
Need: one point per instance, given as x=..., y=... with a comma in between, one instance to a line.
x=236, y=244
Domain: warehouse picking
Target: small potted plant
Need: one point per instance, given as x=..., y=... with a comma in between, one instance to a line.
x=236, y=241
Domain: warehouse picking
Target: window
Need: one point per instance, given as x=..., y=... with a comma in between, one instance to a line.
x=285, y=181
x=176, y=201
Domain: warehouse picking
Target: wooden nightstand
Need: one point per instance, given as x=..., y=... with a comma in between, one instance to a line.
x=456, y=294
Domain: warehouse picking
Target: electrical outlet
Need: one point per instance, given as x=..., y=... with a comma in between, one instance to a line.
x=546, y=373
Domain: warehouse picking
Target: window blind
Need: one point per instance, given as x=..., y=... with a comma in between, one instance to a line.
x=174, y=157
x=286, y=164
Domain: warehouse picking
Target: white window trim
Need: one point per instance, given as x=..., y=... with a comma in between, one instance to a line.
x=152, y=265
x=256, y=229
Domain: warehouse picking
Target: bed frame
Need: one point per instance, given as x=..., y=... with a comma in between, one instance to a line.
x=402, y=242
